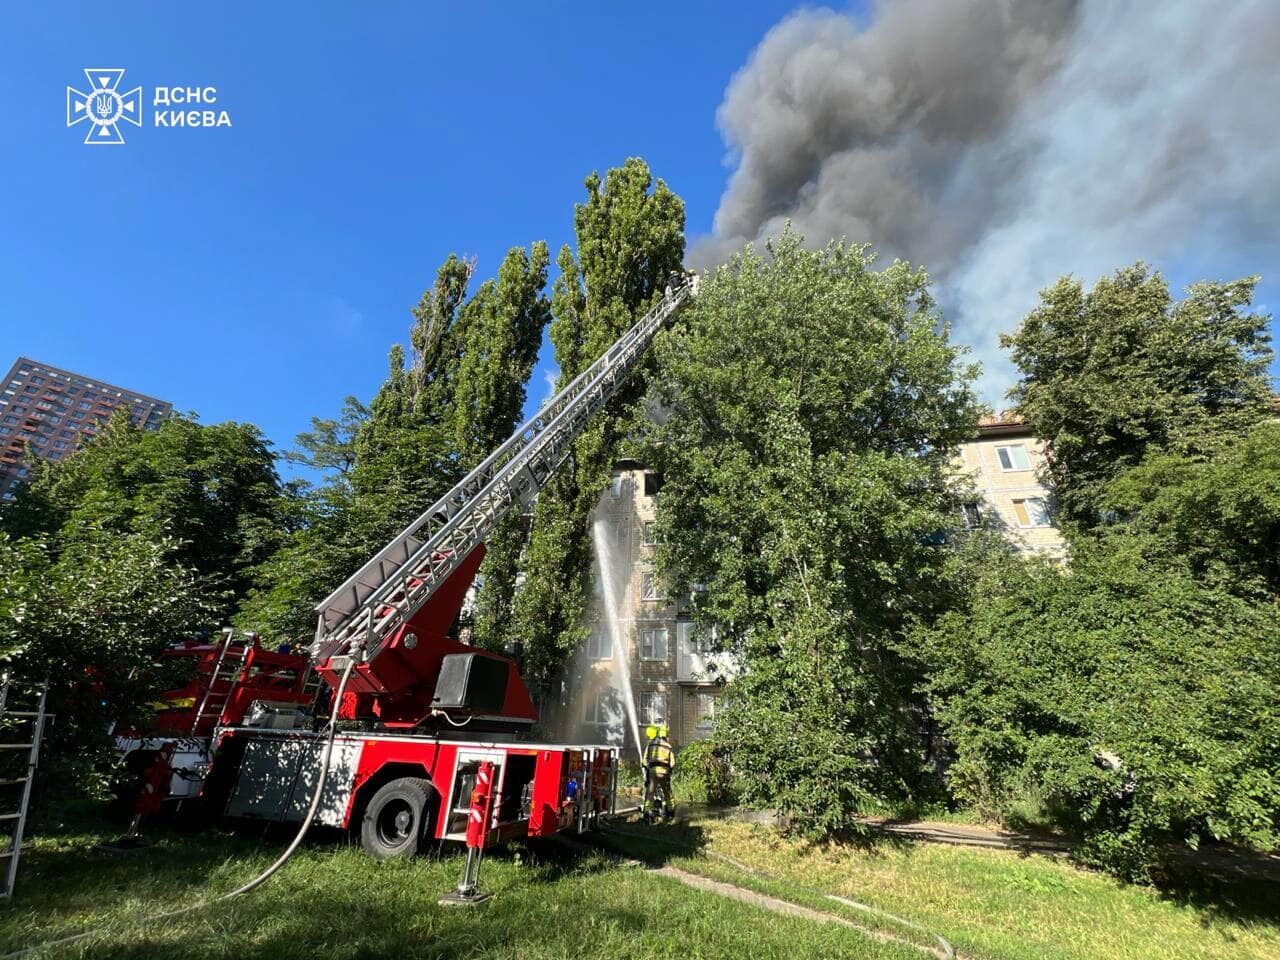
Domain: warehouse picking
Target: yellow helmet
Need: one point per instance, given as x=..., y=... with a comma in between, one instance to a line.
x=662, y=730
x=651, y=732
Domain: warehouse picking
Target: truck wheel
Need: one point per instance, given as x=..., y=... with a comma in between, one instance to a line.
x=396, y=819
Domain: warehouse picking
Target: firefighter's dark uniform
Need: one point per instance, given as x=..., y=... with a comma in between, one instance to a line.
x=659, y=760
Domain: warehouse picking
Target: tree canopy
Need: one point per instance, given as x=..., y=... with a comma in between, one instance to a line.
x=210, y=493
x=814, y=405
x=1110, y=374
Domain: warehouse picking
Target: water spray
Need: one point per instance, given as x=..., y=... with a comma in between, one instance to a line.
x=617, y=636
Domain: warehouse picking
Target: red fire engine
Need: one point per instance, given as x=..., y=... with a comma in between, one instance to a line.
x=439, y=756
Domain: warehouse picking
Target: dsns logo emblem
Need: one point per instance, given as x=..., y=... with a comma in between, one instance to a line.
x=104, y=106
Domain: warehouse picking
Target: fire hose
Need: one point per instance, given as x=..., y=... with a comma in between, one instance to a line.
x=261, y=878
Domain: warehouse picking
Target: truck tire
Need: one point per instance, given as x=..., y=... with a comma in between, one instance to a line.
x=397, y=819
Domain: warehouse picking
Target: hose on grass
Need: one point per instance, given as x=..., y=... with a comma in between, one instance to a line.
x=945, y=949
x=257, y=881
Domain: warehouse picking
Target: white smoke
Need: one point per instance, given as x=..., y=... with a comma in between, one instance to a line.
x=1003, y=143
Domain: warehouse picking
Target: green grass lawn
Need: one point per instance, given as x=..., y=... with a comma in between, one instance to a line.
x=331, y=901
x=992, y=903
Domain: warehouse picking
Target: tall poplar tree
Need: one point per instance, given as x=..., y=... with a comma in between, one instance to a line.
x=630, y=237
x=436, y=415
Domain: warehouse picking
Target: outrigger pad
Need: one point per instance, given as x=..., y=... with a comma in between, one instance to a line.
x=129, y=843
x=456, y=898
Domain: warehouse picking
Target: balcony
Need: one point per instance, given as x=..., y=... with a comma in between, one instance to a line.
x=696, y=663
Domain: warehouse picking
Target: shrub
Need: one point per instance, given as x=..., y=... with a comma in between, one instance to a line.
x=703, y=774
x=1140, y=703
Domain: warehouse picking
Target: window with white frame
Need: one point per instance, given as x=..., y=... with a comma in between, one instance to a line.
x=1032, y=512
x=615, y=486
x=650, y=532
x=600, y=643
x=1013, y=457
x=692, y=640
x=653, y=643
x=653, y=707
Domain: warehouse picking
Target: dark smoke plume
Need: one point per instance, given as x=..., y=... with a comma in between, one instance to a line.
x=1002, y=143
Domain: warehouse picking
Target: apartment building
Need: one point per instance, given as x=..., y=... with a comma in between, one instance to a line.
x=672, y=673
x=1004, y=463
x=52, y=411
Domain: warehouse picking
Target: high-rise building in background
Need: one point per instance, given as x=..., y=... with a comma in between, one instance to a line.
x=54, y=411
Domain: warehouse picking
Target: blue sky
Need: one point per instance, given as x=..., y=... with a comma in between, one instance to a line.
x=260, y=272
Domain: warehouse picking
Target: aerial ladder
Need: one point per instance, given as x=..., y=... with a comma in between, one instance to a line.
x=422, y=765
x=392, y=616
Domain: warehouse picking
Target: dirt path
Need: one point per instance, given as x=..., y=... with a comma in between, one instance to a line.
x=1221, y=860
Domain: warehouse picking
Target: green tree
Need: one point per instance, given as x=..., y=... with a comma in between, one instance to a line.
x=91, y=617
x=1137, y=704
x=1123, y=370
x=330, y=444
x=210, y=492
x=630, y=238
x=436, y=416
x=1221, y=517
x=815, y=405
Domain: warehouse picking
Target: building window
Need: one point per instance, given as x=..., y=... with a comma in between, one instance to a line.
x=691, y=640
x=650, y=532
x=653, y=643
x=600, y=643
x=598, y=709
x=615, y=486
x=1013, y=457
x=32, y=389
x=653, y=707
x=1032, y=512
x=37, y=379
x=704, y=705
x=59, y=444
x=84, y=404
x=971, y=516
x=650, y=588
x=652, y=483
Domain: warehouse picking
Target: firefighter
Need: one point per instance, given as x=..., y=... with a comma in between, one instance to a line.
x=659, y=761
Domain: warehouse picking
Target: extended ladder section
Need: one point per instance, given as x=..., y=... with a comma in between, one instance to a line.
x=389, y=589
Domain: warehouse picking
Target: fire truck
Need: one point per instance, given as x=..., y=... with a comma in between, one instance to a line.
x=439, y=755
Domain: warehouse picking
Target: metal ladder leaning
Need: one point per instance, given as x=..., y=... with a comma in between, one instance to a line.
x=17, y=819
x=213, y=703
